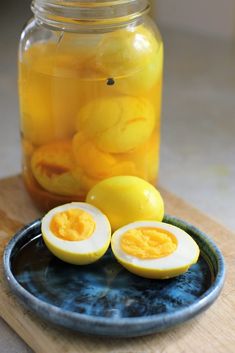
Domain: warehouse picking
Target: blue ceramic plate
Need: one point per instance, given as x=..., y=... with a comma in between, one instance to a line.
x=104, y=298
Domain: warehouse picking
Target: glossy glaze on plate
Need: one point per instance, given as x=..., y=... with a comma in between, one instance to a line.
x=104, y=298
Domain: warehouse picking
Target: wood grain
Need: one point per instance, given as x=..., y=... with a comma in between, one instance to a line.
x=212, y=331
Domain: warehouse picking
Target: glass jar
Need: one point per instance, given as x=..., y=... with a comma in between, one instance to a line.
x=90, y=83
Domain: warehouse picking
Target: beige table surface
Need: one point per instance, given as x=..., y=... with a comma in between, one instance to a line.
x=198, y=144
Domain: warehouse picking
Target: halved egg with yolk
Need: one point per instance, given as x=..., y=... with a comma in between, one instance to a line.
x=77, y=233
x=154, y=250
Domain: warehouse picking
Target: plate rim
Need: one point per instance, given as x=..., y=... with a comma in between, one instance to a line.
x=153, y=323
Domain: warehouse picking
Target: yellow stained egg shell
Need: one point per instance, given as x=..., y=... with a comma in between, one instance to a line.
x=53, y=59
x=123, y=50
x=145, y=78
x=76, y=233
x=93, y=161
x=154, y=249
x=82, y=48
x=133, y=57
x=96, y=163
x=117, y=125
x=52, y=167
x=126, y=199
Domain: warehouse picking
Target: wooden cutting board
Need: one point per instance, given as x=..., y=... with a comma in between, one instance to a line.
x=212, y=331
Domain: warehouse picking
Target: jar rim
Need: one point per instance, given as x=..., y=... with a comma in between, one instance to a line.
x=87, y=13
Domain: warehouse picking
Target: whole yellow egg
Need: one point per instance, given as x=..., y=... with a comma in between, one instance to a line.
x=126, y=199
x=117, y=125
x=133, y=57
x=123, y=51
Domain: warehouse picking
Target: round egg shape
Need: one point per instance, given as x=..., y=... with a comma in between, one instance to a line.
x=52, y=166
x=126, y=199
x=125, y=51
x=117, y=125
x=174, y=262
x=90, y=247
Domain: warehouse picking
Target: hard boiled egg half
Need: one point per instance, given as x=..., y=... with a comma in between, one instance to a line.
x=154, y=249
x=77, y=233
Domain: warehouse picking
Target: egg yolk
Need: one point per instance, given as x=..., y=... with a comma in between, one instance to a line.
x=72, y=225
x=148, y=243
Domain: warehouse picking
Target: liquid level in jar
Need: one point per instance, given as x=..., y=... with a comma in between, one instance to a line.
x=85, y=117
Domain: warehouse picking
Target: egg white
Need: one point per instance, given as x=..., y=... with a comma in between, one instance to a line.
x=100, y=239
x=183, y=257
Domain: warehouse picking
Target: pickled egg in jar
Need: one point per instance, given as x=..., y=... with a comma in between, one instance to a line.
x=90, y=84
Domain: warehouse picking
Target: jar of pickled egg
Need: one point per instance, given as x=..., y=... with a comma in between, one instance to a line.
x=90, y=83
